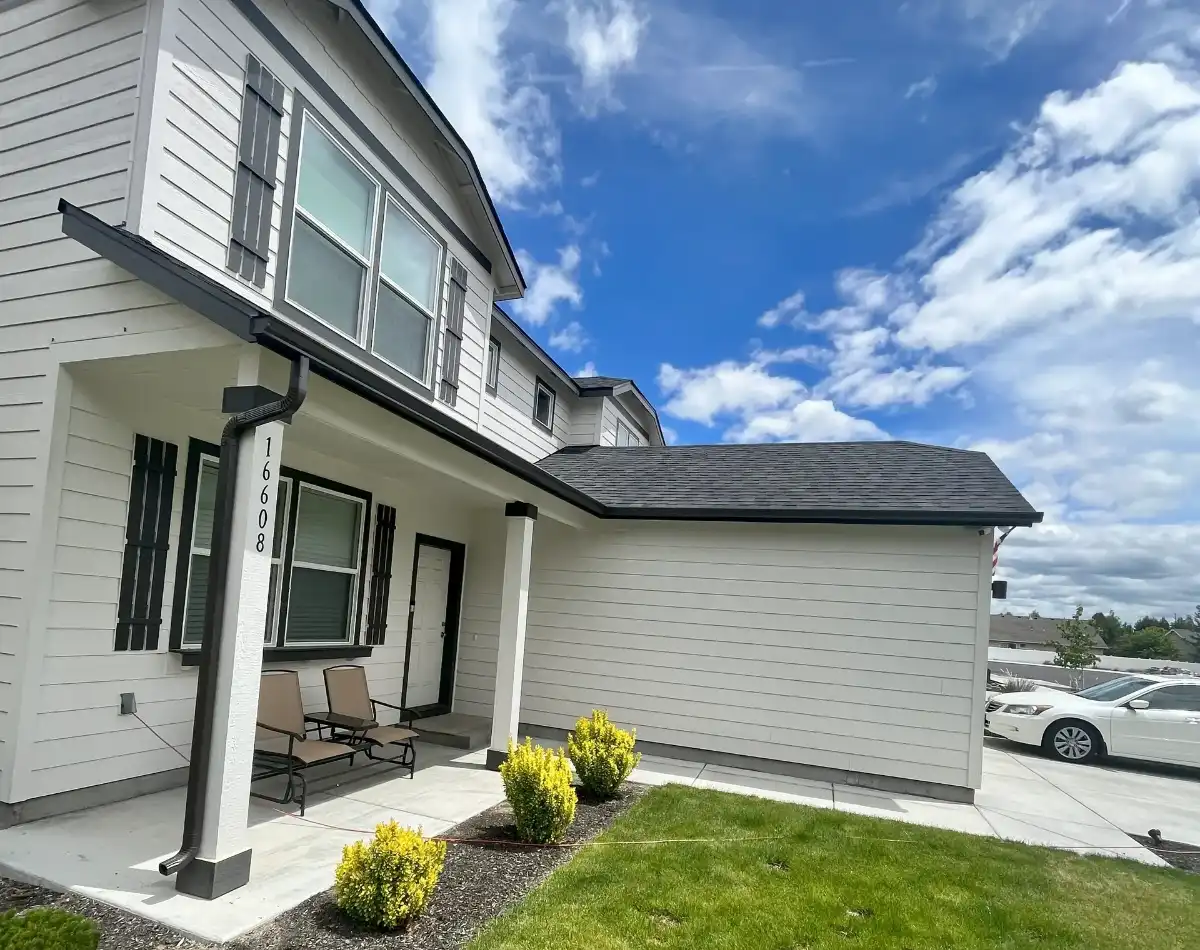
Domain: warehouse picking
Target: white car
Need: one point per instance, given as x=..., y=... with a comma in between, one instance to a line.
x=1139, y=717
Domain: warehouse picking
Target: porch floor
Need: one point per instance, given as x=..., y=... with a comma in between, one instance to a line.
x=111, y=853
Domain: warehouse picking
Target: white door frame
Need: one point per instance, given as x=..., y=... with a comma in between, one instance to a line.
x=454, y=592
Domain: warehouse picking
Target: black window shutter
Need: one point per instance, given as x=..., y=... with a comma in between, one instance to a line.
x=452, y=345
x=144, y=567
x=381, y=574
x=254, y=187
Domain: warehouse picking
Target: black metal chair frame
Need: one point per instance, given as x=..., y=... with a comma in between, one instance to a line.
x=408, y=752
x=272, y=764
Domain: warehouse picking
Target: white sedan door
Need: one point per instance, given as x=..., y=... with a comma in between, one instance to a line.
x=1167, y=731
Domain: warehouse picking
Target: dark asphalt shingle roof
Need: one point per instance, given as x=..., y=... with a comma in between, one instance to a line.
x=600, y=382
x=851, y=481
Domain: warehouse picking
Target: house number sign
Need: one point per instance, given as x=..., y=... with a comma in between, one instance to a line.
x=263, y=541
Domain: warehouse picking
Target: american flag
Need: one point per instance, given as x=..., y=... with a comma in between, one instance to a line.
x=996, y=549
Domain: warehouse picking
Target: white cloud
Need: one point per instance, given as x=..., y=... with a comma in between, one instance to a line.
x=788, y=310
x=549, y=285
x=506, y=122
x=570, y=338
x=602, y=39
x=809, y=420
x=726, y=388
x=757, y=405
x=589, y=181
x=670, y=436
x=922, y=88
x=587, y=369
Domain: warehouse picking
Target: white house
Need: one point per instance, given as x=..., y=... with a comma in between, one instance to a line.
x=206, y=203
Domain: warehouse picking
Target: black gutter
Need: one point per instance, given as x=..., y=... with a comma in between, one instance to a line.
x=241, y=318
x=214, y=607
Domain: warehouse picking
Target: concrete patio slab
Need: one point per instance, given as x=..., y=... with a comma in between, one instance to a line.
x=111, y=853
x=918, y=811
x=653, y=770
x=776, y=787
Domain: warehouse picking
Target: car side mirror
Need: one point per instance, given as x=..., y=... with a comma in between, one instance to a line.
x=1138, y=704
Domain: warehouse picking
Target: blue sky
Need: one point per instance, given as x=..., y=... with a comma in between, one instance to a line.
x=971, y=222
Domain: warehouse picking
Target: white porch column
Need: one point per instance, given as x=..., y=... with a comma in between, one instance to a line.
x=223, y=861
x=514, y=607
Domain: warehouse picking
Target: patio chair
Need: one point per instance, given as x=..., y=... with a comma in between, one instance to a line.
x=281, y=745
x=349, y=696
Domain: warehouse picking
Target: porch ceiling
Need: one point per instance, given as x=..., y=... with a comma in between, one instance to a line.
x=165, y=394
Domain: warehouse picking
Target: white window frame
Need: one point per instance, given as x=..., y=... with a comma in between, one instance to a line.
x=298, y=210
x=193, y=550
x=538, y=388
x=631, y=436
x=430, y=335
x=356, y=570
x=491, y=379
x=274, y=638
x=271, y=630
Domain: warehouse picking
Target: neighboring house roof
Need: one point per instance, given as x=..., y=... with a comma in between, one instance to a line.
x=848, y=481
x=1032, y=631
x=454, y=145
x=870, y=482
x=1186, y=635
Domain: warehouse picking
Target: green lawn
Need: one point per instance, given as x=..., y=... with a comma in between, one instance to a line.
x=832, y=882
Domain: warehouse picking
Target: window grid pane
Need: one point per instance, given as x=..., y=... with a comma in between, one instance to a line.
x=324, y=279
x=410, y=258
x=335, y=191
x=401, y=333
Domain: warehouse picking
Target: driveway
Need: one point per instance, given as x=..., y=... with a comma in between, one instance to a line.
x=1020, y=786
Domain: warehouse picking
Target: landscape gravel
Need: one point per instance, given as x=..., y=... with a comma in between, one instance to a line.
x=479, y=882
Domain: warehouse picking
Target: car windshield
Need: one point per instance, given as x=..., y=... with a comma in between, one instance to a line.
x=1114, y=689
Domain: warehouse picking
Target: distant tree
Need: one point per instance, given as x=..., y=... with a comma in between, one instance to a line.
x=1150, y=643
x=1075, y=648
x=1148, y=621
x=1111, y=628
x=1034, y=615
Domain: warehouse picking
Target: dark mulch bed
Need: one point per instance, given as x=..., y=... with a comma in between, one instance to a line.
x=479, y=882
x=1176, y=853
x=119, y=929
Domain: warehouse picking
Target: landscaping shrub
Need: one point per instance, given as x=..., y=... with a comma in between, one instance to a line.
x=602, y=754
x=388, y=882
x=47, y=928
x=537, y=784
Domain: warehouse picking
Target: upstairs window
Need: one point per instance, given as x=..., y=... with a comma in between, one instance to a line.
x=332, y=235
x=543, y=406
x=360, y=261
x=493, y=366
x=409, y=267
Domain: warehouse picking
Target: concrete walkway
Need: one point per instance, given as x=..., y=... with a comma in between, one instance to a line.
x=111, y=853
x=1025, y=797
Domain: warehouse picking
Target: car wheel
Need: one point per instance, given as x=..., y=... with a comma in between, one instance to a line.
x=1072, y=742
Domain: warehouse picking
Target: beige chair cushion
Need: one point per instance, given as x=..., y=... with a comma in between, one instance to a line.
x=309, y=751
x=386, y=734
x=279, y=703
x=347, y=691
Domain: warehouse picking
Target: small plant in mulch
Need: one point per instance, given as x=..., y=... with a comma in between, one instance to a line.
x=537, y=784
x=602, y=754
x=387, y=883
x=47, y=928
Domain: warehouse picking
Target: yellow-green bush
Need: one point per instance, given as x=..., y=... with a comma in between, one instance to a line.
x=537, y=783
x=602, y=754
x=47, y=928
x=388, y=882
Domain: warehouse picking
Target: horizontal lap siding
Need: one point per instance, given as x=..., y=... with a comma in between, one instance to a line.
x=612, y=413
x=846, y=647
x=508, y=415
x=209, y=42
x=80, y=740
x=585, y=418
x=68, y=95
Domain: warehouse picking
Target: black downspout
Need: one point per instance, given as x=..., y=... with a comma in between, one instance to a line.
x=214, y=607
